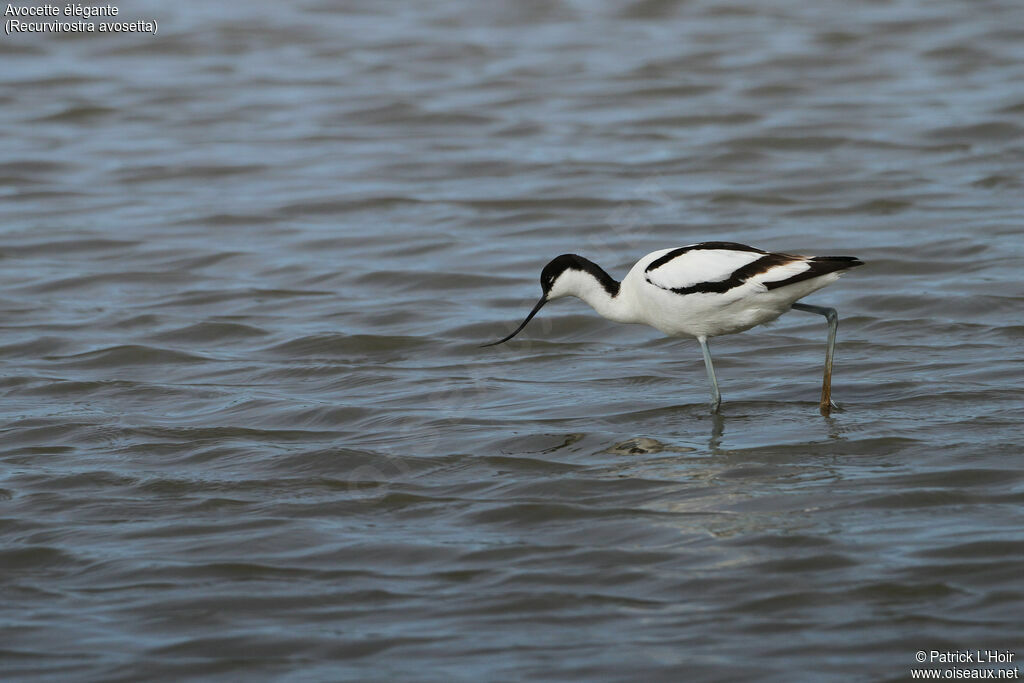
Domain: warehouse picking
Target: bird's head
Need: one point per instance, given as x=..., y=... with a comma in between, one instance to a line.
x=561, y=275
x=558, y=279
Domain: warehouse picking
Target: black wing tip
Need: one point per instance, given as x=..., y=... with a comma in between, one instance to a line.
x=846, y=261
x=822, y=265
x=819, y=265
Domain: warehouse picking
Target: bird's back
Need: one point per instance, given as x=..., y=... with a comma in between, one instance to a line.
x=715, y=288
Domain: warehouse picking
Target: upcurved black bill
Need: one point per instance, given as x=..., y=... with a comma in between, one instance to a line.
x=543, y=300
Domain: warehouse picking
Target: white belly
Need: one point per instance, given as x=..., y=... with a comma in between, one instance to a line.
x=712, y=315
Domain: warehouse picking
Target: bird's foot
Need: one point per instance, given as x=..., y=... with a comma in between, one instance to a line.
x=826, y=409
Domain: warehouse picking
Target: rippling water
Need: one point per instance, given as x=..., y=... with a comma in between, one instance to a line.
x=246, y=431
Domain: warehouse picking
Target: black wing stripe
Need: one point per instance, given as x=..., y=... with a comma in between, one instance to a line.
x=819, y=265
x=738, y=276
x=675, y=253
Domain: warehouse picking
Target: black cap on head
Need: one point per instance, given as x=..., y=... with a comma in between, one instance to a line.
x=557, y=266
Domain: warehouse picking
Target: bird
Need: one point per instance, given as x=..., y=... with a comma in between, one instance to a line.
x=701, y=290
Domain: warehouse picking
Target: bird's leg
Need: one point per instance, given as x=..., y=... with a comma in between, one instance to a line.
x=716, y=397
x=833, y=324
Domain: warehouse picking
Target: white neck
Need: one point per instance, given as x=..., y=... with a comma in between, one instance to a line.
x=587, y=287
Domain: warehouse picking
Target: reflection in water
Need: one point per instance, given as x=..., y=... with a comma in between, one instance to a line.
x=717, y=431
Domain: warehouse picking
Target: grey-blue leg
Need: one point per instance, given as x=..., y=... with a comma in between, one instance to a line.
x=833, y=325
x=716, y=397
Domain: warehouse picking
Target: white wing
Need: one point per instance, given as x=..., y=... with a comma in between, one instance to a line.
x=717, y=267
x=694, y=265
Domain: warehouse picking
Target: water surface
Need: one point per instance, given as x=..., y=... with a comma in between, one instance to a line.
x=246, y=264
